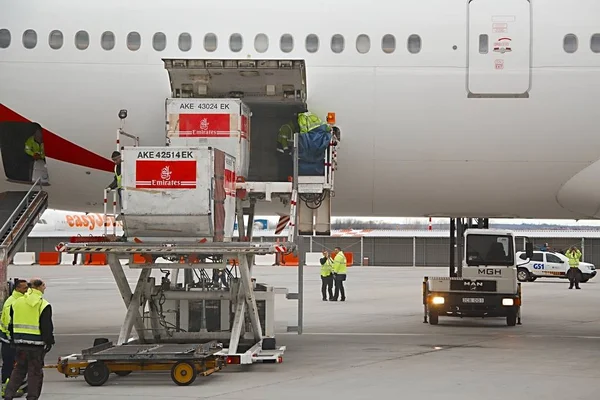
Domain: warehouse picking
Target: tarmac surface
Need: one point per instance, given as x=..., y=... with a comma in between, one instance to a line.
x=374, y=345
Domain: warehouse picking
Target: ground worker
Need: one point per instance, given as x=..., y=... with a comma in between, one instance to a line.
x=116, y=183
x=285, y=145
x=34, y=148
x=308, y=121
x=326, y=276
x=32, y=332
x=339, y=271
x=8, y=350
x=574, y=273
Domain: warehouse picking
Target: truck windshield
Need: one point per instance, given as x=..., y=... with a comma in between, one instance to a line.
x=490, y=250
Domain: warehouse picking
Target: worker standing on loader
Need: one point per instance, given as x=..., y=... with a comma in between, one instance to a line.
x=285, y=145
x=116, y=183
x=34, y=148
x=339, y=271
x=574, y=254
x=8, y=350
x=32, y=332
x=326, y=276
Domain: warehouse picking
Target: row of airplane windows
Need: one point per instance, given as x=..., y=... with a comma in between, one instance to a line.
x=236, y=42
x=261, y=42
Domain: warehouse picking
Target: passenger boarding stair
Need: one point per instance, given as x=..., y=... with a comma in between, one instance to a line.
x=19, y=211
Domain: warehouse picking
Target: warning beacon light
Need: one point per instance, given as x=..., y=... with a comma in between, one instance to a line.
x=122, y=114
x=331, y=118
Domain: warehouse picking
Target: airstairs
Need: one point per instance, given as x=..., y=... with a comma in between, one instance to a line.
x=19, y=212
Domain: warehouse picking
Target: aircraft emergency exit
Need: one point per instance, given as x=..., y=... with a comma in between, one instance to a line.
x=447, y=107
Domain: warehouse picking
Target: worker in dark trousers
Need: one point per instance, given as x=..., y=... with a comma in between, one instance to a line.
x=326, y=276
x=574, y=254
x=32, y=332
x=8, y=349
x=339, y=271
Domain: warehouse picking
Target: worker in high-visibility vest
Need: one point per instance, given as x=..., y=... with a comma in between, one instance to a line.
x=339, y=270
x=326, y=276
x=116, y=183
x=8, y=349
x=308, y=121
x=34, y=148
x=285, y=146
x=574, y=274
x=32, y=332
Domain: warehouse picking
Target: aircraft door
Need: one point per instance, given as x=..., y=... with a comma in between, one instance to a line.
x=499, y=42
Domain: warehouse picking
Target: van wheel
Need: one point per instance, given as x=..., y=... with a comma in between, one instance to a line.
x=523, y=275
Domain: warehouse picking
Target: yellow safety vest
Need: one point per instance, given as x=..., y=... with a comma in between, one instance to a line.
x=327, y=268
x=32, y=147
x=26, y=318
x=308, y=121
x=285, y=136
x=573, y=258
x=118, y=176
x=339, y=263
x=5, y=319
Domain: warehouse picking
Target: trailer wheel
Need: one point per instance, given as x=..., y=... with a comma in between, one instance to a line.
x=433, y=318
x=511, y=318
x=123, y=373
x=96, y=373
x=183, y=373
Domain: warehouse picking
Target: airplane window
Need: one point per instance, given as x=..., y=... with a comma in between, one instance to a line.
x=261, y=43
x=363, y=44
x=236, y=42
x=4, y=38
x=134, y=41
x=570, y=43
x=55, y=40
x=210, y=42
x=414, y=44
x=82, y=40
x=312, y=43
x=159, y=41
x=595, y=43
x=107, y=40
x=483, y=44
x=388, y=44
x=29, y=39
x=337, y=43
x=185, y=42
x=286, y=43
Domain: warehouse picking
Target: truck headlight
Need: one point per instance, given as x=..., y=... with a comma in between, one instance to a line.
x=437, y=300
x=508, y=302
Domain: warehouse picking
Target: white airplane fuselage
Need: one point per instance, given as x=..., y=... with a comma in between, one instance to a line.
x=524, y=144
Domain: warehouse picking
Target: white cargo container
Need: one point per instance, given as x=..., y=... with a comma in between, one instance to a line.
x=178, y=192
x=220, y=123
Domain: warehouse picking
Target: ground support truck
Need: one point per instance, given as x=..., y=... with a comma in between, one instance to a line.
x=487, y=285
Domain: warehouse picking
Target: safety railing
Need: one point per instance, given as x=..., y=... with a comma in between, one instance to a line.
x=114, y=208
x=8, y=229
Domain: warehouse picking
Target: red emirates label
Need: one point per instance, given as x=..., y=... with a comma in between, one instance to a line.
x=154, y=174
x=204, y=125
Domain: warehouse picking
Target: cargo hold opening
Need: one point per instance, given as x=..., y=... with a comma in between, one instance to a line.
x=274, y=90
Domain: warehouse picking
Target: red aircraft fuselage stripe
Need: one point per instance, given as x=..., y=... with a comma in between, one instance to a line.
x=61, y=149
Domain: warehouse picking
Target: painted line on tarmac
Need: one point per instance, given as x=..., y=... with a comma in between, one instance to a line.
x=527, y=335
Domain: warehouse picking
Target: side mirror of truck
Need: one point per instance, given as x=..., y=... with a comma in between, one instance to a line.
x=529, y=250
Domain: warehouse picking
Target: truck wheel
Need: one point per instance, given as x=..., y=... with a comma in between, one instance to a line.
x=511, y=318
x=433, y=318
x=523, y=275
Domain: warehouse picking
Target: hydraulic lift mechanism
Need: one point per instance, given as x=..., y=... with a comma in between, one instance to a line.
x=179, y=203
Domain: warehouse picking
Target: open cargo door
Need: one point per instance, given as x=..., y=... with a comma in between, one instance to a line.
x=274, y=90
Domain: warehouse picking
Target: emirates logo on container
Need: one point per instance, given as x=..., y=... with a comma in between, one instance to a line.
x=165, y=174
x=154, y=174
x=204, y=125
